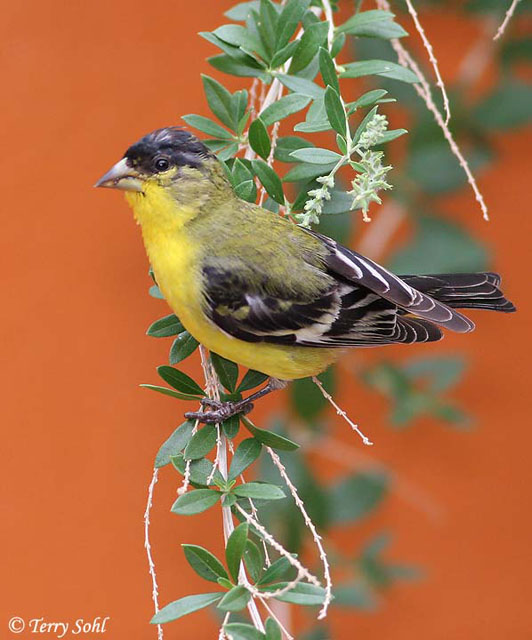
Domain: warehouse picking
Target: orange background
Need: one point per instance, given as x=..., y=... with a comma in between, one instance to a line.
x=81, y=81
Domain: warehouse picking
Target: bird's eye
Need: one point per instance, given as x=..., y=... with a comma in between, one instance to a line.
x=161, y=163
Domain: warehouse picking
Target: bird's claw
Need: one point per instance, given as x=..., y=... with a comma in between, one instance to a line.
x=223, y=411
x=211, y=402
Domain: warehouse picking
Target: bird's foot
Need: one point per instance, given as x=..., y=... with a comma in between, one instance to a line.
x=222, y=410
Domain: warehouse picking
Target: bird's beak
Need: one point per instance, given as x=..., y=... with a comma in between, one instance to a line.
x=121, y=176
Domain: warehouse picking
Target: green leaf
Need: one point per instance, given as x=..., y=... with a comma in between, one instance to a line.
x=231, y=426
x=289, y=18
x=273, y=630
x=303, y=172
x=355, y=496
x=379, y=68
x=373, y=24
x=237, y=54
x=338, y=44
x=246, y=453
x=270, y=439
x=440, y=246
x=302, y=593
x=165, y=327
x=253, y=559
x=234, y=550
x=281, y=56
x=241, y=11
x=155, y=292
x=195, y=501
x=306, y=397
x=204, y=563
x=327, y=70
x=259, y=139
x=174, y=444
x=219, y=100
x=229, y=65
x=179, y=380
x=240, y=36
x=276, y=571
x=442, y=372
x=309, y=43
x=340, y=202
x=235, y=600
x=301, y=86
x=258, y=491
x=283, y=108
x=200, y=471
x=243, y=631
x=246, y=191
x=355, y=594
x=362, y=126
x=201, y=443
x=335, y=111
x=182, y=347
x=507, y=107
x=269, y=179
x=184, y=606
x=206, y=125
x=227, y=371
x=251, y=380
x=267, y=25
x=366, y=99
x=170, y=392
x=316, y=155
x=388, y=136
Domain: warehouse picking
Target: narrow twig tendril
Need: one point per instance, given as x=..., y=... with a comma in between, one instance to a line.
x=341, y=412
x=147, y=546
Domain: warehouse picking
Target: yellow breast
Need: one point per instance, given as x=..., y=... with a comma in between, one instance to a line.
x=176, y=263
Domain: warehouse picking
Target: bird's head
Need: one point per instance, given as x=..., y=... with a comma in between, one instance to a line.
x=157, y=158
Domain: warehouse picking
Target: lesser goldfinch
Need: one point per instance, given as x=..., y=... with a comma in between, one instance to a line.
x=258, y=289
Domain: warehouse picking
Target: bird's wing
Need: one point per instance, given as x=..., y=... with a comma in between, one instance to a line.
x=356, y=268
x=336, y=314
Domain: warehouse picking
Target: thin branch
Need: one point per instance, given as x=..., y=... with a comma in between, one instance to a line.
x=432, y=58
x=506, y=20
x=423, y=90
x=212, y=388
x=221, y=634
x=276, y=617
x=147, y=546
x=341, y=412
x=277, y=546
x=267, y=595
x=310, y=525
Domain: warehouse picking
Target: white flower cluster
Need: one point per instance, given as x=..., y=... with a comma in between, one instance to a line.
x=372, y=173
x=314, y=206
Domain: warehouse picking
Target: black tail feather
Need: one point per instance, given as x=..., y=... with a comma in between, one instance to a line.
x=463, y=290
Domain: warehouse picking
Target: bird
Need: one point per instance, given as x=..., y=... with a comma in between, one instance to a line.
x=264, y=292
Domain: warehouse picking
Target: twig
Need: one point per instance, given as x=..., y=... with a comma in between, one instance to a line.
x=310, y=525
x=221, y=634
x=212, y=387
x=423, y=90
x=267, y=595
x=277, y=546
x=275, y=616
x=506, y=20
x=341, y=412
x=147, y=546
x=432, y=58
x=327, y=9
